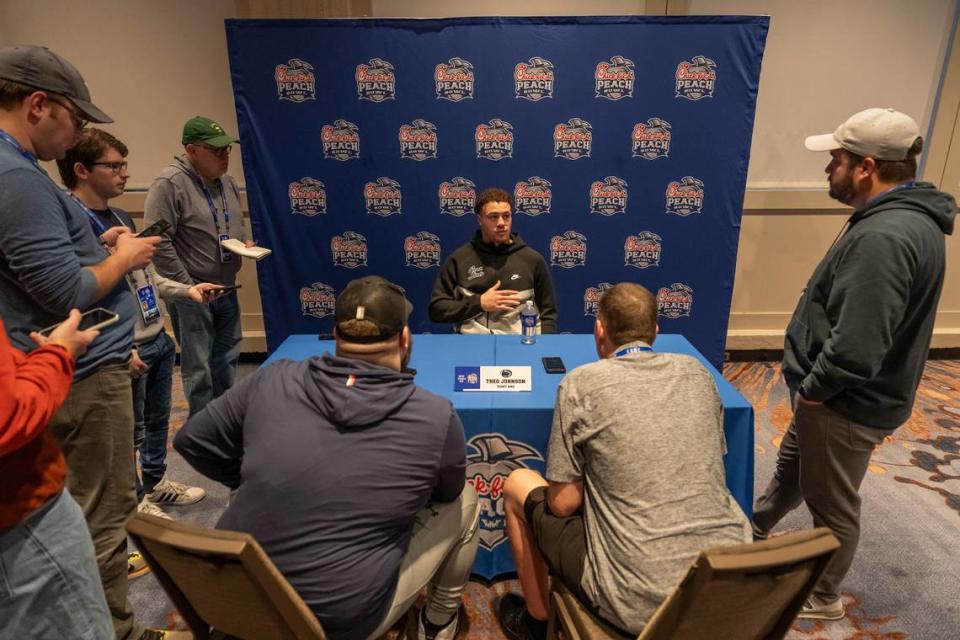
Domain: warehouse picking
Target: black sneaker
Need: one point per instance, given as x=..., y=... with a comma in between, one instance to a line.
x=516, y=622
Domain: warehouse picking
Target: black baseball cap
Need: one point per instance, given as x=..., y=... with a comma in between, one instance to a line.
x=41, y=68
x=375, y=300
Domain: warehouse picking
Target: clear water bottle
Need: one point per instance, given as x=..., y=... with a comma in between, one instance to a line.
x=528, y=323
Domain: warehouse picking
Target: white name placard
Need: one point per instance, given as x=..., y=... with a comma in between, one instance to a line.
x=500, y=378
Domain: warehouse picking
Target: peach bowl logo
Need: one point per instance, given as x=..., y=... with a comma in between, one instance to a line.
x=696, y=78
x=422, y=251
x=608, y=197
x=317, y=300
x=573, y=139
x=494, y=140
x=614, y=79
x=454, y=80
x=295, y=81
x=642, y=250
x=383, y=196
x=651, y=139
x=685, y=197
x=675, y=302
x=341, y=140
x=533, y=79
x=376, y=81
x=307, y=197
x=457, y=197
x=492, y=459
x=568, y=250
x=591, y=298
x=349, y=250
x=533, y=197
x=418, y=140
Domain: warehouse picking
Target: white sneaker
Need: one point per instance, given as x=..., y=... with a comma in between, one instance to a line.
x=151, y=509
x=175, y=493
x=448, y=632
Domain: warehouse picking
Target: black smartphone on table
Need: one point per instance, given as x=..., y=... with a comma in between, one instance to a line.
x=91, y=319
x=553, y=364
x=156, y=229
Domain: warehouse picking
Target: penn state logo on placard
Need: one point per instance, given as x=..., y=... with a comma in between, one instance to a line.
x=568, y=250
x=383, y=197
x=494, y=140
x=492, y=459
x=317, y=300
x=295, y=81
x=418, y=140
x=307, y=197
x=349, y=250
x=608, y=197
x=572, y=139
x=591, y=298
x=423, y=250
x=675, y=302
x=454, y=80
x=651, y=139
x=696, y=78
x=642, y=250
x=457, y=197
x=341, y=140
x=533, y=79
x=533, y=197
x=376, y=81
x=685, y=197
x=614, y=78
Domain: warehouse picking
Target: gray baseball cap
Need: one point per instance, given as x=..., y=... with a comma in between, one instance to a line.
x=41, y=68
x=884, y=134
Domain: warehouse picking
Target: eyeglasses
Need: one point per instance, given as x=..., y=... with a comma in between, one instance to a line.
x=115, y=167
x=78, y=121
x=217, y=151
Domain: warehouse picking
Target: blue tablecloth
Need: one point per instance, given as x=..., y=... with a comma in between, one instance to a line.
x=507, y=430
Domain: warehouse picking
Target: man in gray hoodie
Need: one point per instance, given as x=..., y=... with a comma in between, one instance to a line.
x=349, y=475
x=202, y=204
x=858, y=340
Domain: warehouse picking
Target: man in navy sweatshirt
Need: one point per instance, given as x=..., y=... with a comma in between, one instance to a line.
x=858, y=340
x=348, y=474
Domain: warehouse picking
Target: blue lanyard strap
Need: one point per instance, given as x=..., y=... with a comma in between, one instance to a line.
x=98, y=227
x=213, y=209
x=629, y=350
x=6, y=137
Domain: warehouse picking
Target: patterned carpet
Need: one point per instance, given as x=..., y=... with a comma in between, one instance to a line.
x=905, y=581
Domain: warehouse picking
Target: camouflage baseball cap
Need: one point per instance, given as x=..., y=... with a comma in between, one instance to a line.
x=40, y=68
x=380, y=304
x=205, y=130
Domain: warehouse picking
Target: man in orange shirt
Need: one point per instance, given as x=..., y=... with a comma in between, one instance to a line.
x=52, y=583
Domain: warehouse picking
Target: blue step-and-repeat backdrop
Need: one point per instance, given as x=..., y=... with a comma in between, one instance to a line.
x=624, y=140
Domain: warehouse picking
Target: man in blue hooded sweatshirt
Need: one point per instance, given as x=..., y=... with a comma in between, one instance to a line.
x=349, y=475
x=858, y=340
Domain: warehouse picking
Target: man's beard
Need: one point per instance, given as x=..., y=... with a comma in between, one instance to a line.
x=842, y=190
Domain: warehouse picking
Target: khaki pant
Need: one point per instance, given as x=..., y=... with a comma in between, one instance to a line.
x=822, y=460
x=95, y=430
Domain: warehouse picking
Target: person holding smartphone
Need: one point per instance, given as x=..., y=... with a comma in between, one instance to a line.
x=202, y=204
x=95, y=171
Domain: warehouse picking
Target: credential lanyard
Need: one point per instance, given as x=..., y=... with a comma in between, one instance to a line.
x=10, y=140
x=213, y=209
x=98, y=227
x=629, y=350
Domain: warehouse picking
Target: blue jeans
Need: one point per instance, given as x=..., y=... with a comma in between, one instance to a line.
x=209, y=336
x=151, y=409
x=49, y=583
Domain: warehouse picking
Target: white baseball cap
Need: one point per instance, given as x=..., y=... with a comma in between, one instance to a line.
x=884, y=134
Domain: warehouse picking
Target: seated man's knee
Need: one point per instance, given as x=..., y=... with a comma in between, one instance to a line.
x=518, y=486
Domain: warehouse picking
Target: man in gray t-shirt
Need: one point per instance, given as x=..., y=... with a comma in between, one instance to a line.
x=635, y=478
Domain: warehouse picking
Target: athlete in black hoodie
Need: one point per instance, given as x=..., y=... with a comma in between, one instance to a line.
x=856, y=345
x=484, y=284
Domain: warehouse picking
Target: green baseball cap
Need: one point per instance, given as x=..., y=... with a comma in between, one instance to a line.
x=205, y=130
